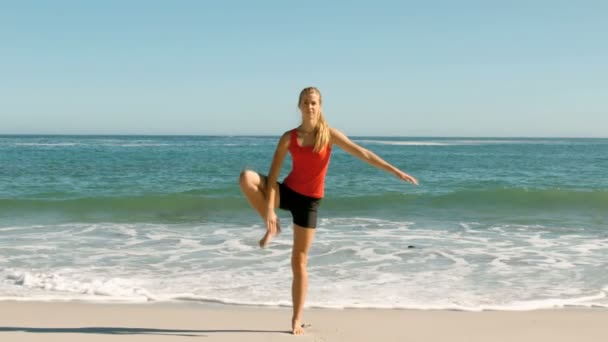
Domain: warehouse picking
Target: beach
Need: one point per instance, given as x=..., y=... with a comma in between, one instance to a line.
x=78, y=321
x=442, y=169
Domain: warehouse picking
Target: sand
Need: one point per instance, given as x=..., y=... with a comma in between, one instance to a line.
x=78, y=321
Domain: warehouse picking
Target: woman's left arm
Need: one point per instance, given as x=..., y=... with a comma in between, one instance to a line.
x=340, y=139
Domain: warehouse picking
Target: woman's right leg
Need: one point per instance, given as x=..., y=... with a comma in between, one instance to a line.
x=253, y=186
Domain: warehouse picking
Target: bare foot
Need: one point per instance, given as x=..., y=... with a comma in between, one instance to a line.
x=265, y=240
x=267, y=237
x=297, y=328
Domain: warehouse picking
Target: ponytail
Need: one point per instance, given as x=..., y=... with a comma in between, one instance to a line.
x=321, y=134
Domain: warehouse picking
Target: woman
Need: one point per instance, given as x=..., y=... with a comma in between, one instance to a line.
x=310, y=145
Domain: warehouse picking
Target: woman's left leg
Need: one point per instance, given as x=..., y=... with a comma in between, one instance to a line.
x=302, y=240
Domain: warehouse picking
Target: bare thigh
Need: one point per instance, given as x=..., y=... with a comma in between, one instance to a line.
x=261, y=180
x=302, y=240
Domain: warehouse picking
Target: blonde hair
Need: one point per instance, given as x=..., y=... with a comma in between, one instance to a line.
x=322, y=128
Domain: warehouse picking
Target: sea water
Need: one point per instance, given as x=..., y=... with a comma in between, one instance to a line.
x=496, y=223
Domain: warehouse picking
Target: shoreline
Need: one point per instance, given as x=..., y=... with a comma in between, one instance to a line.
x=91, y=321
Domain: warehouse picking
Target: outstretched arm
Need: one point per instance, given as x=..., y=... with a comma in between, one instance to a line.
x=340, y=139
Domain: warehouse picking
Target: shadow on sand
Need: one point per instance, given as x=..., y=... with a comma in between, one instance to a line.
x=130, y=331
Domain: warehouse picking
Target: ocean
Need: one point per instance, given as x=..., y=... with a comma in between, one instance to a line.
x=496, y=223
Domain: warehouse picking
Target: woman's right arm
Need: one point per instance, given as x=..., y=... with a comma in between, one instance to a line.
x=273, y=175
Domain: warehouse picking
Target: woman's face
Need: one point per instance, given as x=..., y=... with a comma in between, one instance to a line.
x=310, y=106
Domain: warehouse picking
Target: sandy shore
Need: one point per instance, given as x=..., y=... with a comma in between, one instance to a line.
x=35, y=321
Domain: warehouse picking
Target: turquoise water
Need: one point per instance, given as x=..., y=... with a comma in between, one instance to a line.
x=495, y=223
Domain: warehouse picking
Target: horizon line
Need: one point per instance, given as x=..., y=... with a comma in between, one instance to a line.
x=276, y=135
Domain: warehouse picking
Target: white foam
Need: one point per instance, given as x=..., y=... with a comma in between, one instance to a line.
x=354, y=262
x=406, y=143
x=142, y=145
x=128, y=230
x=585, y=301
x=454, y=142
x=189, y=243
x=369, y=254
x=158, y=236
x=47, y=144
x=57, y=282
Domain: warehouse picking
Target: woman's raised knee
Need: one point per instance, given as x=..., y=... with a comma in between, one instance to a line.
x=246, y=177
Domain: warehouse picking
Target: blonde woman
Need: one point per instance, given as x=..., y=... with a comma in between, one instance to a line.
x=310, y=146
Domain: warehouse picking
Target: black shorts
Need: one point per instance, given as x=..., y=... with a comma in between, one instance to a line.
x=303, y=208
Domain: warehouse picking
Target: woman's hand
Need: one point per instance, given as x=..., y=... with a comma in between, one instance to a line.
x=272, y=222
x=272, y=227
x=404, y=176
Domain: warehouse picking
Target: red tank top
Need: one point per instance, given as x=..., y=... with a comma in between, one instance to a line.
x=307, y=176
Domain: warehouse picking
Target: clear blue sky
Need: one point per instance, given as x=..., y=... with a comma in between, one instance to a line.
x=409, y=68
